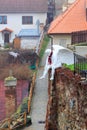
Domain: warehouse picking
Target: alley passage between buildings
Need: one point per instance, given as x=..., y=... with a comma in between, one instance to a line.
x=39, y=104
x=39, y=101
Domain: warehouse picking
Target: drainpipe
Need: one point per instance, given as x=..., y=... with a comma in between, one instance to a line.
x=51, y=41
x=74, y=58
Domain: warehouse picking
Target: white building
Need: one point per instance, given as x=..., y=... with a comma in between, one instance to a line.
x=16, y=15
x=70, y=27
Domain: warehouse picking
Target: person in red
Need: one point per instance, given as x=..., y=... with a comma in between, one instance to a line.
x=50, y=58
x=48, y=64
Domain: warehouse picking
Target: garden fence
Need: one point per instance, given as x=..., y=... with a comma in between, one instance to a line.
x=80, y=65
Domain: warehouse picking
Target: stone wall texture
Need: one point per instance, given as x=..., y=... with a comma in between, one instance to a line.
x=67, y=104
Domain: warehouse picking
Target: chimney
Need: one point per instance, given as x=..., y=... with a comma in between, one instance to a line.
x=67, y=4
x=70, y=1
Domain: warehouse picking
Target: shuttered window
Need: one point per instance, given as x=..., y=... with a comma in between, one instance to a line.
x=78, y=37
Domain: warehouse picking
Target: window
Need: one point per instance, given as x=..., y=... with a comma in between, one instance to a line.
x=78, y=37
x=27, y=20
x=62, y=42
x=3, y=19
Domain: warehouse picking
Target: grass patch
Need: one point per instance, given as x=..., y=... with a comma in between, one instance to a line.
x=44, y=46
x=71, y=67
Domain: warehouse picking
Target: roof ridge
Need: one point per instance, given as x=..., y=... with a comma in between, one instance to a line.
x=65, y=13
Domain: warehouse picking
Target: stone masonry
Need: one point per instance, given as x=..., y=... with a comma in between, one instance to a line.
x=67, y=104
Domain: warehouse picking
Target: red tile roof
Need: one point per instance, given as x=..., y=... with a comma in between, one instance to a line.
x=23, y=6
x=73, y=19
x=6, y=29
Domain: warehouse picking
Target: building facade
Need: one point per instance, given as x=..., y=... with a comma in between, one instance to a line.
x=70, y=27
x=18, y=15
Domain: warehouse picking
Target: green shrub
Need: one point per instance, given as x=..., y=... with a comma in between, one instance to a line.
x=7, y=46
x=23, y=107
x=71, y=67
x=44, y=46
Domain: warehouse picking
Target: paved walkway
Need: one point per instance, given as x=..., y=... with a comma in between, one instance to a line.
x=39, y=101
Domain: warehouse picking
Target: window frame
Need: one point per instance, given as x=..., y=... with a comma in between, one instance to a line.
x=3, y=19
x=78, y=37
x=27, y=20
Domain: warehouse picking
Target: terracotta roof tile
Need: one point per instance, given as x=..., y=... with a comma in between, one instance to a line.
x=6, y=29
x=73, y=19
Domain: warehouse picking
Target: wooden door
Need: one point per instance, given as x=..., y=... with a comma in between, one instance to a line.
x=6, y=38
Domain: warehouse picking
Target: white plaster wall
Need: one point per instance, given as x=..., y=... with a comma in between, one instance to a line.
x=14, y=22
x=29, y=43
x=63, y=40
x=70, y=1
x=81, y=50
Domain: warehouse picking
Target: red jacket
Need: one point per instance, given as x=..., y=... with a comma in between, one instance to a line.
x=50, y=58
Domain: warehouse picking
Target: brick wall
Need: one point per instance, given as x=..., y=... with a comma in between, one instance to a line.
x=11, y=98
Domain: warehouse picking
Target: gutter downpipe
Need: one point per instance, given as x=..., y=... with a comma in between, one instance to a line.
x=51, y=41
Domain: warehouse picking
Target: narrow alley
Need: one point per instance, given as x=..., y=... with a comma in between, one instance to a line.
x=40, y=96
x=39, y=101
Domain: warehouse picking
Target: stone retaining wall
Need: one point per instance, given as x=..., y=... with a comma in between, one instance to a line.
x=67, y=104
